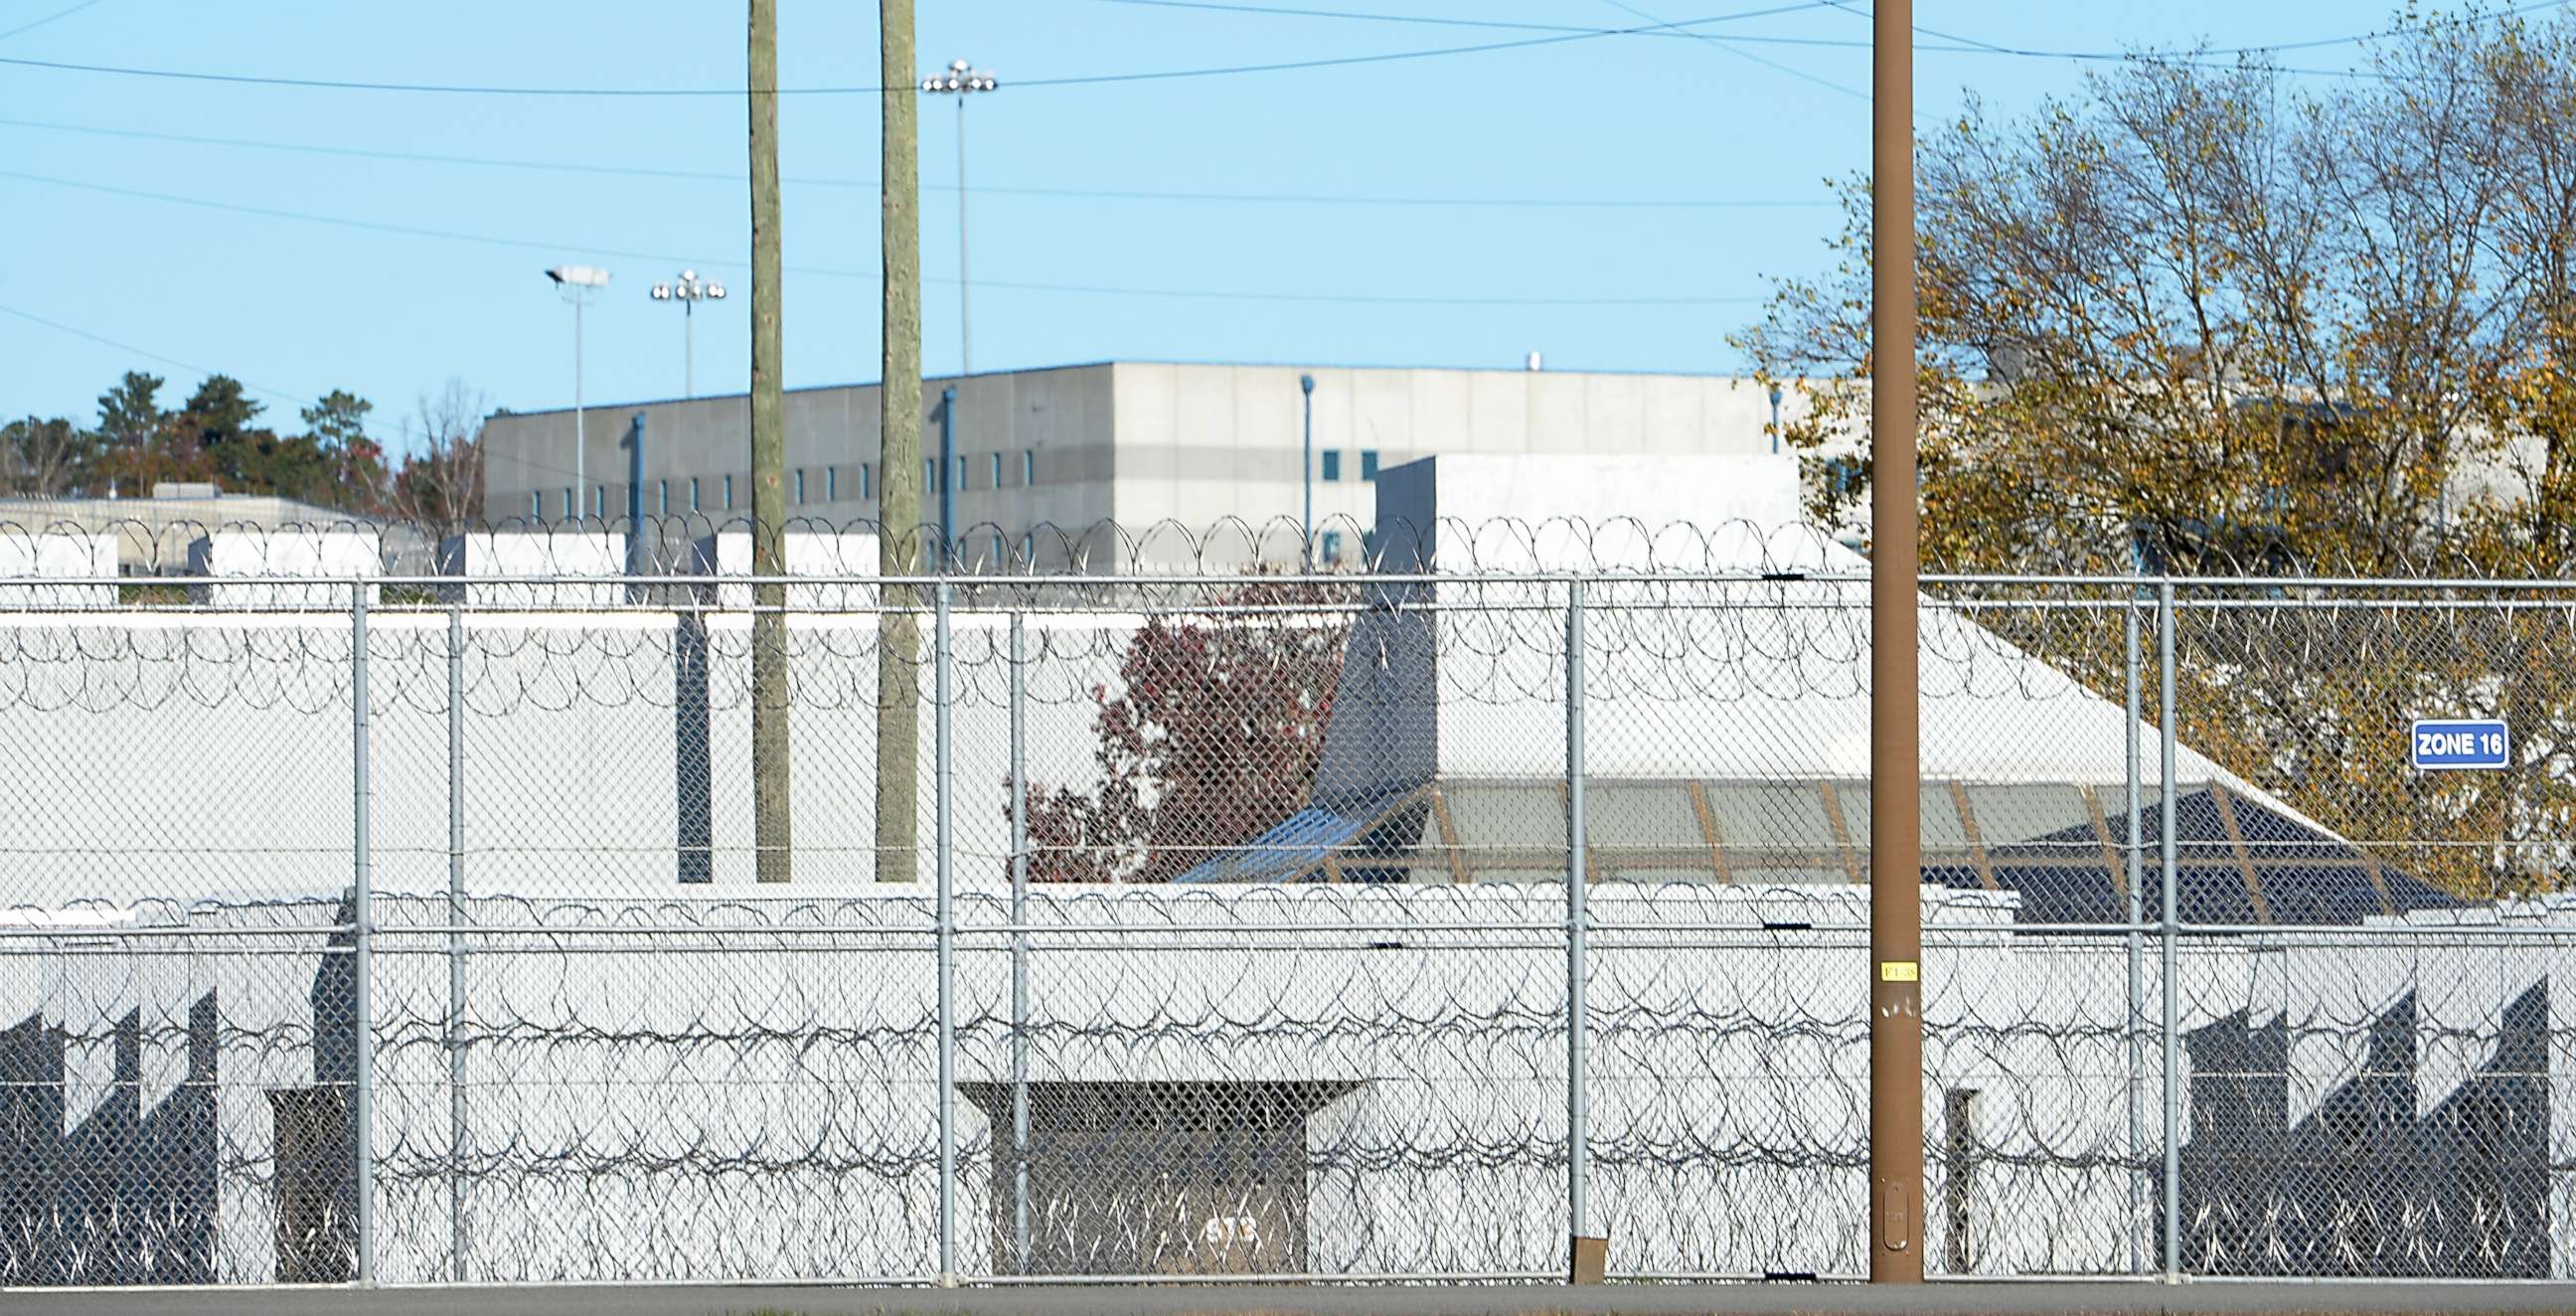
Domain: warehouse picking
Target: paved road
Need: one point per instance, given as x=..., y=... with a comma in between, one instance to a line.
x=1962, y=1299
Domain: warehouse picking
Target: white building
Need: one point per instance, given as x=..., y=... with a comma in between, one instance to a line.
x=587, y=1067
x=1171, y=454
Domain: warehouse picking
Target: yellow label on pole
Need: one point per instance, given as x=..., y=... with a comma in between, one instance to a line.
x=1899, y=971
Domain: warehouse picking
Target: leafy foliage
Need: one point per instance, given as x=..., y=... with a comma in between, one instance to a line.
x=1211, y=738
x=2210, y=322
x=218, y=436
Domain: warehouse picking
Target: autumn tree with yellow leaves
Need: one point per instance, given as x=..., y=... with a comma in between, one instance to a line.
x=2222, y=321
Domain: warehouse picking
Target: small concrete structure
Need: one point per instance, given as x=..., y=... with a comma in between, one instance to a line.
x=152, y=535
x=854, y=553
x=84, y=561
x=275, y=559
x=484, y=558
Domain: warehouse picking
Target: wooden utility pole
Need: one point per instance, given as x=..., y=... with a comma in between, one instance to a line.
x=772, y=823
x=899, y=450
x=1895, y=717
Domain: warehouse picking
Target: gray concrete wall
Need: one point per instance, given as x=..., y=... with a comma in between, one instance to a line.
x=1183, y=447
x=1054, y=424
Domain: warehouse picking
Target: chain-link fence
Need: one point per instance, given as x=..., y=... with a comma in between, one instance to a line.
x=397, y=929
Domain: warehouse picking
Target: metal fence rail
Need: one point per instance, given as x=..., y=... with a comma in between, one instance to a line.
x=377, y=930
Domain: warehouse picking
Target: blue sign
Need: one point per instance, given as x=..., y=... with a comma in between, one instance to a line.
x=2460, y=744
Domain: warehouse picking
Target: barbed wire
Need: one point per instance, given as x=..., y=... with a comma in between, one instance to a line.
x=1701, y=613
x=701, y=543
x=634, y=1116
x=1711, y=643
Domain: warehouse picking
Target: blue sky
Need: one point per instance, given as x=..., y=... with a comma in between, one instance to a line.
x=297, y=308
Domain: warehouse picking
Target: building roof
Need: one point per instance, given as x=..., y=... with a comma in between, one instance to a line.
x=935, y=381
x=1728, y=719
x=154, y=534
x=2059, y=847
x=216, y=511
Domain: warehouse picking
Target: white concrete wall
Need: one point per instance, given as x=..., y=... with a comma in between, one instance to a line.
x=482, y=558
x=284, y=553
x=194, y=756
x=1201, y=444
x=764, y=1104
x=854, y=554
x=1755, y=679
x=61, y=555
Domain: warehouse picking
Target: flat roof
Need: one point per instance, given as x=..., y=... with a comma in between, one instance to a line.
x=1138, y=361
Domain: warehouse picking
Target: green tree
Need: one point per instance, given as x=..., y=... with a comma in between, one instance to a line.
x=130, y=414
x=217, y=435
x=221, y=420
x=352, y=464
x=141, y=444
x=339, y=420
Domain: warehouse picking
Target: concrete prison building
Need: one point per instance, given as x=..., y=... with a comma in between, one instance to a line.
x=1167, y=452
x=599, y=1050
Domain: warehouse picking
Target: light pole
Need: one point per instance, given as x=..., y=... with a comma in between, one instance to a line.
x=959, y=79
x=688, y=292
x=578, y=283
x=1306, y=385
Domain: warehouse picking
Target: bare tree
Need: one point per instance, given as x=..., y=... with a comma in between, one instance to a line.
x=439, y=487
x=41, y=458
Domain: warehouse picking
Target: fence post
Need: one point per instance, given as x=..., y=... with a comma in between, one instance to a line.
x=1577, y=1019
x=2133, y=769
x=362, y=934
x=947, y=933
x=1019, y=944
x=2172, y=927
x=456, y=942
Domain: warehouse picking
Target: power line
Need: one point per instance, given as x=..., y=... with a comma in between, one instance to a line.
x=529, y=244
x=1361, y=299
x=1023, y=84
x=37, y=23
x=425, y=88
x=1551, y=37
x=1504, y=25
x=2210, y=58
x=1720, y=44
x=157, y=358
x=1958, y=44
x=870, y=184
x=399, y=427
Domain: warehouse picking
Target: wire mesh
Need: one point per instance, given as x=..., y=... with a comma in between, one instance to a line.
x=1257, y=919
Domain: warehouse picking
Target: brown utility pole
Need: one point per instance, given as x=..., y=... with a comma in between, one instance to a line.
x=1895, y=748
x=772, y=831
x=899, y=451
